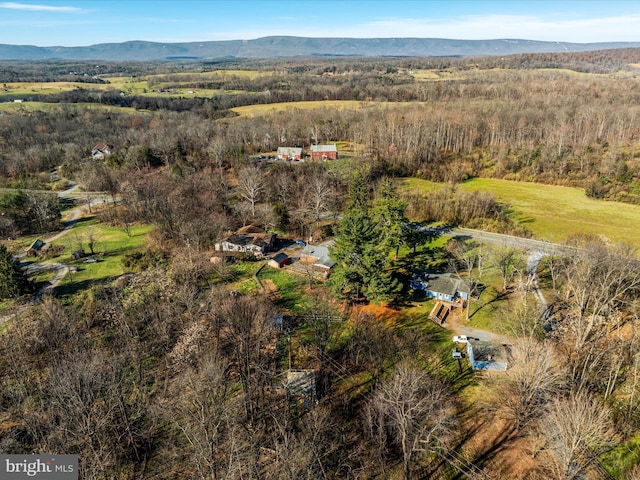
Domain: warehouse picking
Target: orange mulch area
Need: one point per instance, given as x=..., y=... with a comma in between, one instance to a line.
x=387, y=315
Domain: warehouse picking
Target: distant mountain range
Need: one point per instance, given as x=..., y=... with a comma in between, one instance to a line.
x=272, y=47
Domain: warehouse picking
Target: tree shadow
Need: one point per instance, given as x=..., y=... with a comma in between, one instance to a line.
x=68, y=287
x=499, y=297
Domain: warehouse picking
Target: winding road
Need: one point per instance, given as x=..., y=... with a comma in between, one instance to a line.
x=537, y=250
x=71, y=217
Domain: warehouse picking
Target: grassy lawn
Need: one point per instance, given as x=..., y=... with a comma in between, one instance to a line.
x=110, y=244
x=292, y=293
x=552, y=212
x=621, y=459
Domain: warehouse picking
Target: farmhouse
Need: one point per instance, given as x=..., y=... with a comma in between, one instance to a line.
x=324, y=152
x=447, y=287
x=318, y=257
x=101, y=151
x=289, y=153
x=249, y=239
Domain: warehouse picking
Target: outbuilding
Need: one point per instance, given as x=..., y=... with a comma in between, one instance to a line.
x=289, y=153
x=279, y=261
x=324, y=152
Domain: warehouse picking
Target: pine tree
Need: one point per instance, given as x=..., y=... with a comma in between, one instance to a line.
x=361, y=250
x=13, y=281
x=388, y=213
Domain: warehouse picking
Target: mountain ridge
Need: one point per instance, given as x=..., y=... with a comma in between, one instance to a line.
x=288, y=46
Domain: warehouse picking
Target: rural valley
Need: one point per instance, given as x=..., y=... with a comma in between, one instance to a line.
x=323, y=267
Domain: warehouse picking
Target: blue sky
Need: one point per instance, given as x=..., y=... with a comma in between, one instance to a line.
x=79, y=23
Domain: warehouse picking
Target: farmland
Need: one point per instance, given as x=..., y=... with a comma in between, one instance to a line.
x=174, y=350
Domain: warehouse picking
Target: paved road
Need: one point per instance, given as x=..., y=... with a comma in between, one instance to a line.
x=537, y=250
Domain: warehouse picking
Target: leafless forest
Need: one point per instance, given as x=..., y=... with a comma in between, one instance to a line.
x=169, y=372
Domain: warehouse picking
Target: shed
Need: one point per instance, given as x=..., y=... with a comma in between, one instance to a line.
x=37, y=247
x=279, y=261
x=324, y=152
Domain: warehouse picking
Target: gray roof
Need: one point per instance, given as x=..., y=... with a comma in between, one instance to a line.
x=323, y=148
x=289, y=151
x=320, y=253
x=280, y=257
x=447, y=283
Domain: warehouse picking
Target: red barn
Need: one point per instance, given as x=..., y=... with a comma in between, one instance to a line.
x=324, y=152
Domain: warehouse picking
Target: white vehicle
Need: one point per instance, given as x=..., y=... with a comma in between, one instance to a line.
x=460, y=339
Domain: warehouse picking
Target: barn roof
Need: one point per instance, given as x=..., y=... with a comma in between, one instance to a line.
x=323, y=148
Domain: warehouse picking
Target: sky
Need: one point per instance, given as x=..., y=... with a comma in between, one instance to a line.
x=88, y=22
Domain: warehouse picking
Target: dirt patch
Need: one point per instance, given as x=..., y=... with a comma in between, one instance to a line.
x=492, y=443
x=270, y=289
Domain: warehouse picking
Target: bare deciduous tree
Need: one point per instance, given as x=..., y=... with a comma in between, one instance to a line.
x=415, y=408
x=578, y=430
x=251, y=186
x=534, y=377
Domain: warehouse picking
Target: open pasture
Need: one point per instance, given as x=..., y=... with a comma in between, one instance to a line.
x=552, y=212
x=265, y=109
x=12, y=108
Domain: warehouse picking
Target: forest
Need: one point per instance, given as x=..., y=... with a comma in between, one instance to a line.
x=158, y=356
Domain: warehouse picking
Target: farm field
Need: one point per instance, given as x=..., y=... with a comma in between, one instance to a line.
x=129, y=86
x=11, y=107
x=265, y=109
x=552, y=212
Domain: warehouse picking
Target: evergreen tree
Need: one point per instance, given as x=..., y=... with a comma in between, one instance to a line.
x=13, y=281
x=361, y=251
x=388, y=213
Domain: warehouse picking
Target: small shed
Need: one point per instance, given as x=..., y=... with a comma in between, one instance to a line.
x=324, y=152
x=37, y=247
x=279, y=261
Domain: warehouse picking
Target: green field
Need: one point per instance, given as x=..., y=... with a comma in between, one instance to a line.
x=552, y=212
x=110, y=244
x=11, y=107
x=264, y=109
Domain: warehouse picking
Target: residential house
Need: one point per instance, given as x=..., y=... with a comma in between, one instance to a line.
x=318, y=257
x=289, y=153
x=324, y=152
x=249, y=239
x=447, y=287
x=101, y=151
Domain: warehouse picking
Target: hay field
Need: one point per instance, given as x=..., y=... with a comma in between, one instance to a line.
x=552, y=212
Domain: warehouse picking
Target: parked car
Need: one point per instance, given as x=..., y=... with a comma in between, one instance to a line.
x=301, y=243
x=460, y=339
